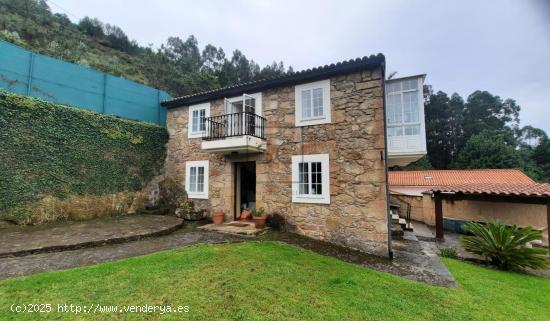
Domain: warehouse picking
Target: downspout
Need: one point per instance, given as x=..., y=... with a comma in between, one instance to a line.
x=385, y=160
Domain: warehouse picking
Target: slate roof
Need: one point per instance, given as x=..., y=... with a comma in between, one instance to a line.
x=308, y=75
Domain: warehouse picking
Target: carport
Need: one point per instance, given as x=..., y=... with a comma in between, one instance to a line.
x=536, y=193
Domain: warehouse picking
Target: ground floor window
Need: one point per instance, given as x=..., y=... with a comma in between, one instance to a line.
x=196, y=179
x=310, y=179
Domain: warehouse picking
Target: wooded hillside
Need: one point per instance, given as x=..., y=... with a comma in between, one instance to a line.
x=178, y=66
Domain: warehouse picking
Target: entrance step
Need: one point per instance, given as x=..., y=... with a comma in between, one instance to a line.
x=236, y=227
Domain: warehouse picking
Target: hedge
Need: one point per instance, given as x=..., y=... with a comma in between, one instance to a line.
x=55, y=150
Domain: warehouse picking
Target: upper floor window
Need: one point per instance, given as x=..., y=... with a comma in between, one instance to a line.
x=310, y=179
x=196, y=179
x=402, y=107
x=313, y=103
x=197, y=119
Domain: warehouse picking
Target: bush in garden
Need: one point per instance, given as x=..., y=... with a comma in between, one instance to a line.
x=505, y=247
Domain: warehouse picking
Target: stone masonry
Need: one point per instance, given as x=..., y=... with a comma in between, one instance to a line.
x=356, y=216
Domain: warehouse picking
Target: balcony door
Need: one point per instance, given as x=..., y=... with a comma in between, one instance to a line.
x=240, y=113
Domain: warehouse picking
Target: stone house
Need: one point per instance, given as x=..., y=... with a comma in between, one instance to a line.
x=307, y=146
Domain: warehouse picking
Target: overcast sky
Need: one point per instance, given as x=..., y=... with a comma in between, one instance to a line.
x=501, y=46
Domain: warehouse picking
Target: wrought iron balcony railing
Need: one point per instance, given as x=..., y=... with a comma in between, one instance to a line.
x=232, y=125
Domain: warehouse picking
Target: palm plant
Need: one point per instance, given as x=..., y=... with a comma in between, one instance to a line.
x=505, y=246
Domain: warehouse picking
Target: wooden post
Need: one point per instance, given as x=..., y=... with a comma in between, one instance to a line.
x=438, y=216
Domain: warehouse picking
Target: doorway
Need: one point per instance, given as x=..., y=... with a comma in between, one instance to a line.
x=245, y=187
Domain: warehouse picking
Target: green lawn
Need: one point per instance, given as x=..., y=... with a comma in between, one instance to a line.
x=273, y=281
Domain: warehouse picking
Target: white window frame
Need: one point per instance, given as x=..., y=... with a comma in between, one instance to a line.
x=323, y=198
x=256, y=96
x=324, y=85
x=199, y=133
x=401, y=126
x=188, y=165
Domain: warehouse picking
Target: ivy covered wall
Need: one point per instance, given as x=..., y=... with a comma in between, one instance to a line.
x=59, y=151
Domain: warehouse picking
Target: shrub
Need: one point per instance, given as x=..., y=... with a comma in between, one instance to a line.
x=505, y=246
x=449, y=252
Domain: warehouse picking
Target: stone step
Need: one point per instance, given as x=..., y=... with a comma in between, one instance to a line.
x=408, y=227
x=397, y=232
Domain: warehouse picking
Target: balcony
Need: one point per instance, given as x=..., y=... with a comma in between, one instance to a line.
x=405, y=120
x=242, y=132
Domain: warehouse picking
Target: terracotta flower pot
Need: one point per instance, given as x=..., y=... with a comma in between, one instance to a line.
x=259, y=221
x=218, y=217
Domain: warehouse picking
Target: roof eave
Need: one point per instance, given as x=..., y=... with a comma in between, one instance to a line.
x=296, y=78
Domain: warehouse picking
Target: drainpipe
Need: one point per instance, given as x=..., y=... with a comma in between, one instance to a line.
x=390, y=250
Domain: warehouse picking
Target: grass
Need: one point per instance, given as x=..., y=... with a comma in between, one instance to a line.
x=274, y=281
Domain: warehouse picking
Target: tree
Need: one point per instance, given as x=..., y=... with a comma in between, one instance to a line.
x=444, y=128
x=490, y=149
x=484, y=111
x=541, y=157
x=422, y=164
x=212, y=58
x=184, y=53
x=530, y=137
x=272, y=71
x=119, y=40
x=92, y=27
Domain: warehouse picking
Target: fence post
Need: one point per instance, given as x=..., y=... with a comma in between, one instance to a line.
x=104, y=98
x=29, y=76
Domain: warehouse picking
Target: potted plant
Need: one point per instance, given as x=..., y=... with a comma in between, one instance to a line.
x=217, y=217
x=259, y=217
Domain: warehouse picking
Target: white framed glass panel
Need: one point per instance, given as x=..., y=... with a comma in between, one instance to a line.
x=410, y=107
x=310, y=179
x=317, y=102
x=393, y=87
x=193, y=179
x=394, y=109
x=410, y=84
x=395, y=131
x=303, y=180
x=402, y=108
x=306, y=104
x=196, y=183
x=312, y=103
x=412, y=130
x=316, y=175
x=197, y=119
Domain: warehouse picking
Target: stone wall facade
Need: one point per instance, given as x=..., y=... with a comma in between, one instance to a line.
x=356, y=216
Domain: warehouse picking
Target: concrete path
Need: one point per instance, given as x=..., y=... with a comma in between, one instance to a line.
x=60, y=236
